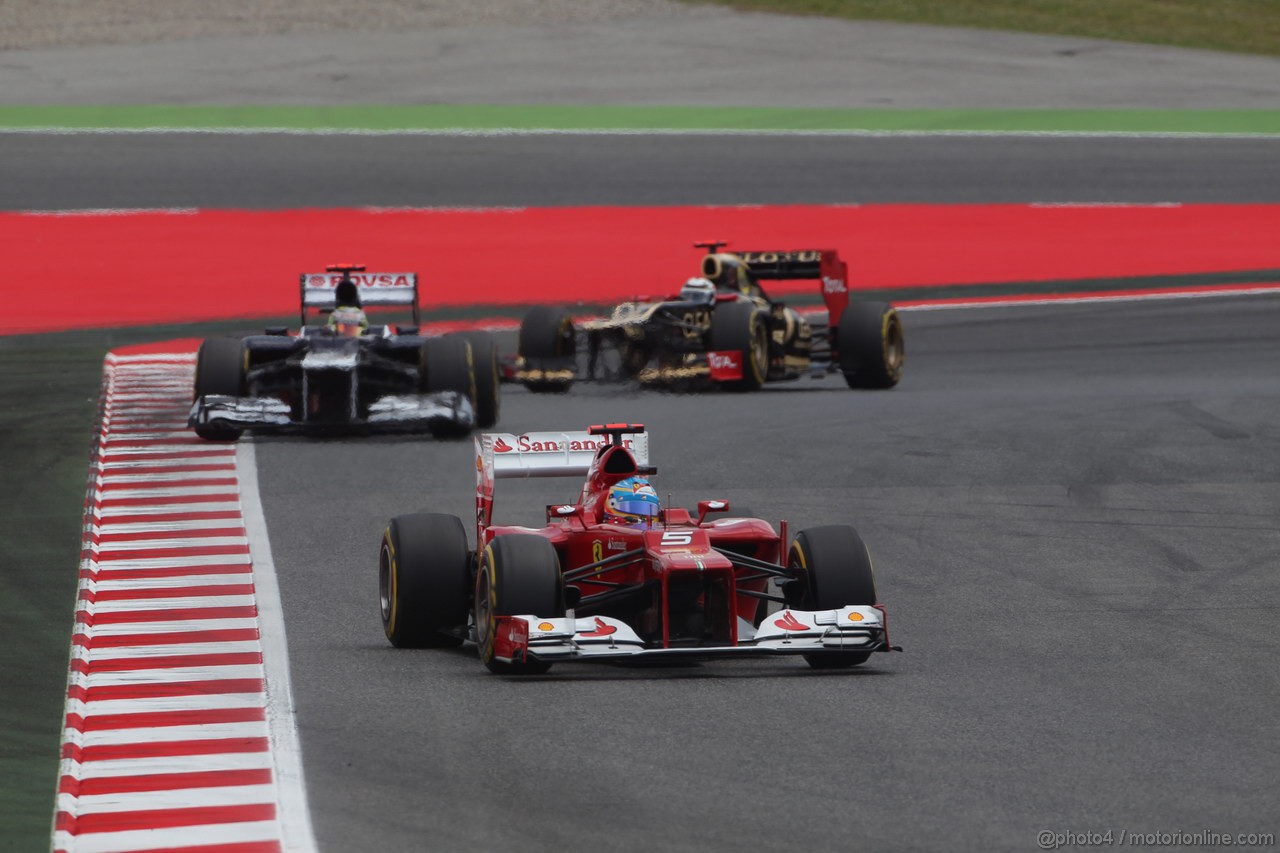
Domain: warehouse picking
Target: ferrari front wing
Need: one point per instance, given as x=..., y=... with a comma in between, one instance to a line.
x=787, y=632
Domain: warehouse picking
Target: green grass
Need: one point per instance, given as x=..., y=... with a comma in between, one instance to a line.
x=440, y=117
x=1243, y=26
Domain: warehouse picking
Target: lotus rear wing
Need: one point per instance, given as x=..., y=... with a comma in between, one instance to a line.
x=503, y=455
x=822, y=265
x=374, y=288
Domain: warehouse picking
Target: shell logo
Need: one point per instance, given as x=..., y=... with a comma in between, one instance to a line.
x=855, y=617
x=546, y=626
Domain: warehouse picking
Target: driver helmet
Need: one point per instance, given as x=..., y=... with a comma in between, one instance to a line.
x=698, y=290
x=631, y=502
x=348, y=322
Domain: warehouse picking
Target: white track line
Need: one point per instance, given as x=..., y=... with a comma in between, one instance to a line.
x=286, y=747
x=518, y=131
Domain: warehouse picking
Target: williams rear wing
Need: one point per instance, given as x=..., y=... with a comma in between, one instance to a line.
x=374, y=288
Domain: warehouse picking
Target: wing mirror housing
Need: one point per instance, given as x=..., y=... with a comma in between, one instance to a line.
x=705, y=508
x=563, y=511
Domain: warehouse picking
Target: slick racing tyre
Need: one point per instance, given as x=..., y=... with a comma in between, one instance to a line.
x=548, y=342
x=833, y=569
x=220, y=370
x=424, y=578
x=740, y=326
x=447, y=365
x=519, y=574
x=484, y=354
x=870, y=345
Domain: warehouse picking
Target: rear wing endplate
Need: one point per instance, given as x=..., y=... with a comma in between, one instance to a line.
x=822, y=265
x=375, y=289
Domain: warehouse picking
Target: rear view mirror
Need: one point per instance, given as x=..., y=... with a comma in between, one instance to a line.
x=563, y=511
x=707, y=507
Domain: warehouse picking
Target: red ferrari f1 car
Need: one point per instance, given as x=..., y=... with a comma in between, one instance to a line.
x=615, y=575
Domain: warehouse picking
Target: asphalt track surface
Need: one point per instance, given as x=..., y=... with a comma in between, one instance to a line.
x=1072, y=511
x=50, y=172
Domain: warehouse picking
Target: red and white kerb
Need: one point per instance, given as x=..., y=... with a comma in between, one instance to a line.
x=166, y=744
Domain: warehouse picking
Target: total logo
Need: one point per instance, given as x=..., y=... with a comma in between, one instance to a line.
x=723, y=361
x=833, y=285
x=394, y=279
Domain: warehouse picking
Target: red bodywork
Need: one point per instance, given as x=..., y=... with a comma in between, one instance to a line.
x=667, y=580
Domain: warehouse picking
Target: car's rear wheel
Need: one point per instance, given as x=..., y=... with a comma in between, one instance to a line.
x=548, y=341
x=220, y=370
x=740, y=327
x=871, y=345
x=832, y=570
x=484, y=354
x=519, y=574
x=447, y=365
x=424, y=580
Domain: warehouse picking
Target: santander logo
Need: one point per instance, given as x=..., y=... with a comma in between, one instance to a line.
x=500, y=446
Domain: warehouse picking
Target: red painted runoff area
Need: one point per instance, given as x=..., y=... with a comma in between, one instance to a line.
x=85, y=269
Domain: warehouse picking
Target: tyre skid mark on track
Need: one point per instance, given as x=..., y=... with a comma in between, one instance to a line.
x=166, y=738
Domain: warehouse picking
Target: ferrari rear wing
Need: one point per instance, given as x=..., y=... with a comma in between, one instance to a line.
x=374, y=288
x=547, y=454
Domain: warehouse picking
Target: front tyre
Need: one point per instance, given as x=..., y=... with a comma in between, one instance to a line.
x=870, y=345
x=447, y=365
x=832, y=570
x=548, y=338
x=424, y=580
x=220, y=371
x=484, y=354
x=740, y=327
x=519, y=574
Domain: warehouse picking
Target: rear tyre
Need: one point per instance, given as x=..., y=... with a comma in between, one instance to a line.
x=871, y=345
x=220, y=370
x=424, y=579
x=740, y=326
x=447, y=366
x=519, y=574
x=547, y=335
x=484, y=354
x=833, y=569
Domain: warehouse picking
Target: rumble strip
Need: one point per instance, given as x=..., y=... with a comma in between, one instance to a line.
x=178, y=735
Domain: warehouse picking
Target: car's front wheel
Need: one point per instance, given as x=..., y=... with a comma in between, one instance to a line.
x=220, y=371
x=548, y=340
x=519, y=574
x=424, y=580
x=447, y=365
x=832, y=569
